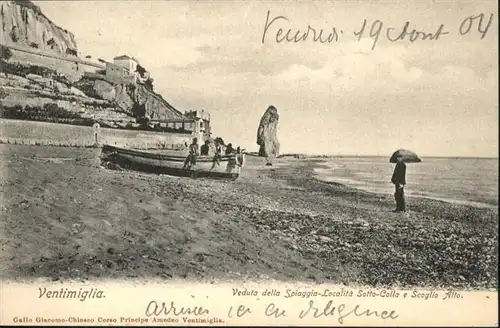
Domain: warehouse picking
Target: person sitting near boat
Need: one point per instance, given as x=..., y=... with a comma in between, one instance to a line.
x=233, y=161
x=204, y=149
x=218, y=155
x=229, y=149
x=193, y=152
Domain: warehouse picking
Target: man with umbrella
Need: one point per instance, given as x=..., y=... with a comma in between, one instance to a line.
x=400, y=157
x=399, y=180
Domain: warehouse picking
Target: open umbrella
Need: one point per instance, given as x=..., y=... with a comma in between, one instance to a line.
x=408, y=156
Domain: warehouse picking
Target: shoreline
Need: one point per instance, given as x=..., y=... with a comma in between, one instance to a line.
x=317, y=159
x=317, y=163
x=410, y=196
x=330, y=179
x=79, y=221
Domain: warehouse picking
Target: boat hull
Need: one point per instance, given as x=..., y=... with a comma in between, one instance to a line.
x=172, y=164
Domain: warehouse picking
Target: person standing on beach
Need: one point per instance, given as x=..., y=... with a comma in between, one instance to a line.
x=399, y=180
x=193, y=152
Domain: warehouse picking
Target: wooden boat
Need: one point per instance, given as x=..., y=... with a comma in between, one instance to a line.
x=228, y=168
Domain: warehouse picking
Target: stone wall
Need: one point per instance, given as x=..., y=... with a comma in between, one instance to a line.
x=43, y=133
x=73, y=70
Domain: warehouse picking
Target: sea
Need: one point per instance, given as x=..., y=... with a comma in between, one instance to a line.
x=470, y=181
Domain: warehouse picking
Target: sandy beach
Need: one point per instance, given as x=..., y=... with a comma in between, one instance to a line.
x=65, y=217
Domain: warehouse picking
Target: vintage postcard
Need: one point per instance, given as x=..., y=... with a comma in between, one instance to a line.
x=242, y=163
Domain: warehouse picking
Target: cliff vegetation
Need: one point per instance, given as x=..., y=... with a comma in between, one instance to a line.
x=36, y=85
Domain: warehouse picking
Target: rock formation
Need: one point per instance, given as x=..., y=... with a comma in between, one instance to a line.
x=41, y=81
x=134, y=100
x=155, y=106
x=267, y=134
x=24, y=24
x=98, y=89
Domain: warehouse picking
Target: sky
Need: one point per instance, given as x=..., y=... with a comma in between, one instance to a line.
x=436, y=97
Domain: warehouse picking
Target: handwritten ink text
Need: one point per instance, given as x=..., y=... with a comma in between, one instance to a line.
x=394, y=35
x=467, y=23
x=330, y=310
x=240, y=311
x=375, y=31
x=297, y=35
x=154, y=309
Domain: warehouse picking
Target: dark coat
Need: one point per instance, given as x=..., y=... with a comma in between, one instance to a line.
x=399, y=175
x=204, y=150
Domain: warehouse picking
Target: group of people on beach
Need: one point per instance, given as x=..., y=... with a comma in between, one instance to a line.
x=398, y=177
x=204, y=150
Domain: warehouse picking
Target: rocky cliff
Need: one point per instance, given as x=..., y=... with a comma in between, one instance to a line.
x=35, y=85
x=267, y=134
x=154, y=105
x=24, y=24
x=134, y=100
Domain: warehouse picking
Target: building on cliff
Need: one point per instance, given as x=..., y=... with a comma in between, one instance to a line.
x=120, y=71
x=127, y=62
x=114, y=70
x=115, y=93
x=123, y=67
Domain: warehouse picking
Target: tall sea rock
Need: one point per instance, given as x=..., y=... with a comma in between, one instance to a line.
x=267, y=134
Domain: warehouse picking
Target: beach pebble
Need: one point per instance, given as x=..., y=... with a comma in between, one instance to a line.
x=326, y=239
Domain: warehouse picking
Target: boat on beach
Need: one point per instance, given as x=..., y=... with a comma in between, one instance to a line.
x=229, y=166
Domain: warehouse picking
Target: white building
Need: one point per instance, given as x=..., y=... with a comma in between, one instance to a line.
x=115, y=70
x=202, y=119
x=127, y=62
